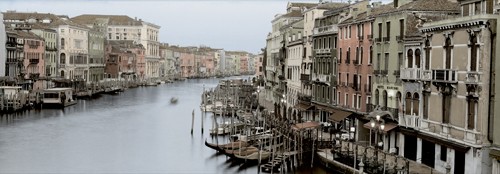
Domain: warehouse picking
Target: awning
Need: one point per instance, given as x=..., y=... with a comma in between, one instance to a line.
x=388, y=126
x=325, y=108
x=339, y=115
x=303, y=107
x=306, y=125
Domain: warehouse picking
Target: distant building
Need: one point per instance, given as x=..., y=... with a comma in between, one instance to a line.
x=3, y=51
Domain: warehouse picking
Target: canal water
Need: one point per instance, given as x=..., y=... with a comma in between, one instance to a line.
x=137, y=131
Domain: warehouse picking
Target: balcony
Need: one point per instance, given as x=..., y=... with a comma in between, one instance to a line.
x=61, y=66
x=34, y=61
x=322, y=51
x=303, y=97
x=376, y=72
x=305, y=77
x=360, y=38
x=34, y=76
x=426, y=75
x=347, y=61
x=411, y=121
x=325, y=29
x=444, y=75
x=50, y=49
x=355, y=62
x=321, y=78
x=383, y=72
x=410, y=74
x=472, y=77
x=378, y=39
x=370, y=37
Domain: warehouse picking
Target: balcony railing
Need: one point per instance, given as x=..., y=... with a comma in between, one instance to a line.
x=426, y=75
x=355, y=62
x=303, y=97
x=370, y=37
x=34, y=61
x=396, y=73
x=322, y=51
x=384, y=72
x=34, y=76
x=321, y=78
x=376, y=72
x=472, y=77
x=347, y=61
x=444, y=75
x=378, y=39
x=360, y=38
x=326, y=29
x=410, y=74
x=61, y=66
x=411, y=121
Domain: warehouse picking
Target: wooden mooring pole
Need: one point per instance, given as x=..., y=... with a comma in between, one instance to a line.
x=192, y=123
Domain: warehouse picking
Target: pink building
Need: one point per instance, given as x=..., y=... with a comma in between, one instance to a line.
x=34, y=65
x=124, y=59
x=244, y=64
x=187, y=64
x=355, y=64
x=208, y=64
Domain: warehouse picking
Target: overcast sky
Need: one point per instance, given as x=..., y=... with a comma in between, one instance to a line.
x=229, y=24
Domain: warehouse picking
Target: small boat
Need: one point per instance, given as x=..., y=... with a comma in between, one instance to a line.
x=173, y=100
x=255, y=156
x=228, y=146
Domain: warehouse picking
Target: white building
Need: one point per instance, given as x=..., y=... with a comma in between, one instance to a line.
x=3, y=54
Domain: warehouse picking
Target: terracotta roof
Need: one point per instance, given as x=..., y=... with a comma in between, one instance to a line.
x=293, y=14
x=28, y=35
x=113, y=19
x=23, y=16
x=301, y=4
x=332, y=5
x=427, y=5
x=67, y=22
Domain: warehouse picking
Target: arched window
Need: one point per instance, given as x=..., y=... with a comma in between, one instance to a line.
x=62, y=73
x=399, y=102
x=385, y=99
x=416, y=102
x=408, y=104
x=370, y=59
x=417, y=58
x=62, y=43
x=376, y=97
x=62, y=59
x=409, y=60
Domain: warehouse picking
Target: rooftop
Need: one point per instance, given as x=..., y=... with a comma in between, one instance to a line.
x=88, y=19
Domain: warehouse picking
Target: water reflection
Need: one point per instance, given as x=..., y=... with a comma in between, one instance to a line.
x=138, y=131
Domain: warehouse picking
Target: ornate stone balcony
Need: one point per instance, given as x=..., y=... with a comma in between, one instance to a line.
x=325, y=29
x=321, y=78
x=472, y=77
x=411, y=121
x=410, y=74
x=444, y=75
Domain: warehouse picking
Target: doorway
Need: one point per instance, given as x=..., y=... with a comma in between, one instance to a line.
x=410, y=147
x=428, y=153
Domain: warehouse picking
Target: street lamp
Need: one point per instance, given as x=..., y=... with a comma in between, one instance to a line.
x=377, y=125
x=283, y=103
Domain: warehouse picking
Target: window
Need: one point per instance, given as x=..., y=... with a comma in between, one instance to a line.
x=379, y=30
x=359, y=102
x=370, y=58
x=349, y=30
x=361, y=56
x=354, y=101
x=408, y=104
x=477, y=8
x=416, y=101
x=471, y=112
x=427, y=54
x=401, y=28
x=384, y=97
x=62, y=59
x=465, y=10
x=357, y=55
x=448, y=48
x=473, y=52
x=409, y=60
x=340, y=55
x=426, y=104
x=346, y=99
x=388, y=30
x=62, y=43
x=348, y=57
x=446, y=101
x=417, y=58
x=376, y=97
x=443, y=153
x=386, y=61
x=378, y=61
